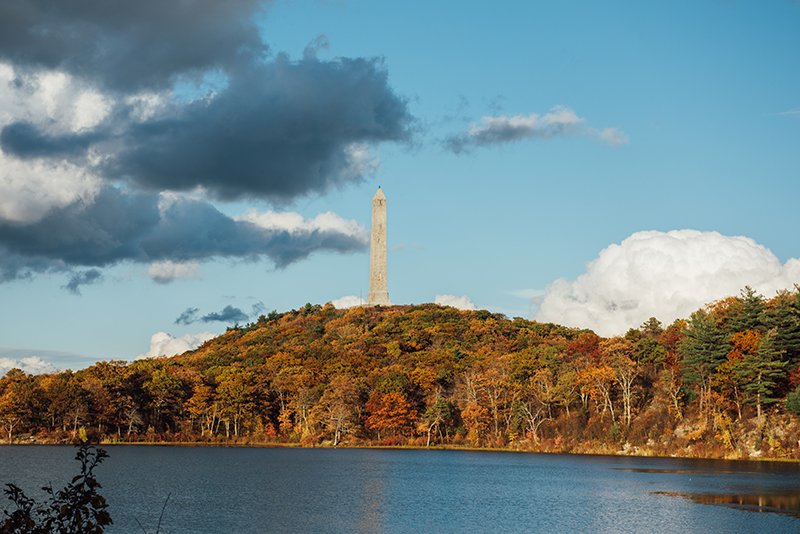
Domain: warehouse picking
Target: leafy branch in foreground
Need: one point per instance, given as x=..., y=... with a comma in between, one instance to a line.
x=76, y=509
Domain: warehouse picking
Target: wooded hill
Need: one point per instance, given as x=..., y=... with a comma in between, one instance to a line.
x=722, y=383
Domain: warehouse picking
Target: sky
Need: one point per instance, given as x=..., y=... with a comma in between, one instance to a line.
x=169, y=169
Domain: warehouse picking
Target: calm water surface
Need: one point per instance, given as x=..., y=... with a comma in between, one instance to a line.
x=239, y=490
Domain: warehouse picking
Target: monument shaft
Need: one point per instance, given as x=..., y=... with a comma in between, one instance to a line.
x=378, y=294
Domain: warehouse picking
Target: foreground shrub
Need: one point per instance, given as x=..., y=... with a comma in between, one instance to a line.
x=76, y=509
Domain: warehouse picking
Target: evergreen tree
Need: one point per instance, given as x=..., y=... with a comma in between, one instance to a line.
x=793, y=402
x=652, y=328
x=784, y=317
x=703, y=349
x=758, y=372
x=749, y=312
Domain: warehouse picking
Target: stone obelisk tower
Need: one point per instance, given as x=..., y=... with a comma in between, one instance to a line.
x=378, y=294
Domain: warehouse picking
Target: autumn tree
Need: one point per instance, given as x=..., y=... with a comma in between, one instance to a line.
x=596, y=381
x=238, y=393
x=298, y=390
x=435, y=416
x=203, y=405
x=165, y=392
x=534, y=400
x=390, y=414
x=497, y=391
x=60, y=395
x=470, y=395
x=566, y=387
x=727, y=379
x=339, y=408
x=620, y=354
x=19, y=400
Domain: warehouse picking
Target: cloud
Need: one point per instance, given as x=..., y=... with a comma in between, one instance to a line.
x=83, y=278
x=276, y=130
x=165, y=344
x=257, y=309
x=560, y=121
x=169, y=230
x=25, y=141
x=54, y=358
x=168, y=271
x=612, y=136
x=527, y=293
x=462, y=303
x=229, y=314
x=144, y=44
x=111, y=116
x=188, y=316
x=663, y=275
x=263, y=137
x=292, y=238
x=32, y=365
x=348, y=302
x=791, y=112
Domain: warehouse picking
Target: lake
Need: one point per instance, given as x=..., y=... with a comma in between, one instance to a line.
x=255, y=490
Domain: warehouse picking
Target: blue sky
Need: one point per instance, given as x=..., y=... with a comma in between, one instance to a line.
x=688, y=118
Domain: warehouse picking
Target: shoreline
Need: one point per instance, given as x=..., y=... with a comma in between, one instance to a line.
x=445, y=447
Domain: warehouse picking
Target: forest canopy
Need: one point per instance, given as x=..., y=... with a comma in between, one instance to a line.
x=722, y=382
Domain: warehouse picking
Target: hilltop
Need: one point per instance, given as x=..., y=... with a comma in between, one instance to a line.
x=721, y=383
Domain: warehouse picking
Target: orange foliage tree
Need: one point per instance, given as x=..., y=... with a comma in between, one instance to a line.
x=390, y=414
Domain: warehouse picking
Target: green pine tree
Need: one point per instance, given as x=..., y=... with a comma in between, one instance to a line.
x=758, y=372
x=704, y=348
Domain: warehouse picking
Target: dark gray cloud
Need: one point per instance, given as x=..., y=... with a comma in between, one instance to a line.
x=257, y=309
x=501, y=130
x=83, y=278
x=16, y=267
x=229, y=314
x=25, y=141
x=279, y=130
x=559, y=121
x=129, y=46
x=275, y=129
x=188, y=316
x=123, y=226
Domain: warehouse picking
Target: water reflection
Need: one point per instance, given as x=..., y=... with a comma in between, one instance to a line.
x=782, y=503
x=688, y=471
x=258, y=491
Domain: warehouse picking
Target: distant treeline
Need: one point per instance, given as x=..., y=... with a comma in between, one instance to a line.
x=721, y=383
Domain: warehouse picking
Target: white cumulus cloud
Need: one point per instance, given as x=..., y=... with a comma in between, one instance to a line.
x=663, y=275
x=59, y=104
x=348, y=302
x=462, y=303
x=33, y=365
x=165, y=344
